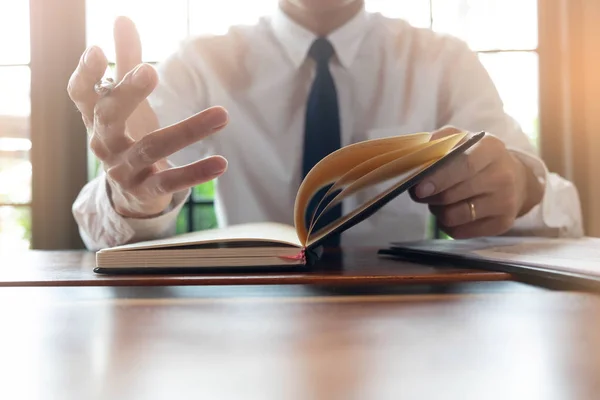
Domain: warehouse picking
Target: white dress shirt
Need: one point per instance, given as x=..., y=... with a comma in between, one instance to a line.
x=391, y=79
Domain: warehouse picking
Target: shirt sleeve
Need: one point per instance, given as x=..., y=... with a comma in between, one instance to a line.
x=101, y=226
x=179, y=95
x=469, y=100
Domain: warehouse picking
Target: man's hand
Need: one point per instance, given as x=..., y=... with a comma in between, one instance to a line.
x=481, y=192
x=124, y=132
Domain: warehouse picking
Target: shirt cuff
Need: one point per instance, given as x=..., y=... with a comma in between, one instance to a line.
x=559, y=212
x=160, y=226
x=101, y=226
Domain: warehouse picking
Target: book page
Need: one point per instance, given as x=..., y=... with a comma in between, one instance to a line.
x=258, y=232
x=434, y=151
x=316, y=236
x=338, y=163
x=359, y=172
x=419, y=159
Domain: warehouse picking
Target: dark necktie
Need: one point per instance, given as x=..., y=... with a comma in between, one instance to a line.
x=322, y=129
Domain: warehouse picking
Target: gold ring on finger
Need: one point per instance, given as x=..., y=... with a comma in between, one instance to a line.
x=472, y=210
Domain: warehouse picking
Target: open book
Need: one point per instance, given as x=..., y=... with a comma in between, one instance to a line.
x=394, y=164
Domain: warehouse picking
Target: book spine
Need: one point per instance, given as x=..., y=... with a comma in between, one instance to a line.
x=307, y=256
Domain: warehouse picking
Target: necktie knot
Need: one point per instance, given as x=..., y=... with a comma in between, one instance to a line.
x=321, y=50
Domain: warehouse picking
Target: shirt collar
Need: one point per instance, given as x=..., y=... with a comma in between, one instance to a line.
x=296, y=40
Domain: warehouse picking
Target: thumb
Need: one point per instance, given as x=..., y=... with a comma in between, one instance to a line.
x=128, y=46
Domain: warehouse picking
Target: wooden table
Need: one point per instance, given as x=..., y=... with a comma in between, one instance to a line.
x=246, y=343
x=489, y=340
x=351, y=267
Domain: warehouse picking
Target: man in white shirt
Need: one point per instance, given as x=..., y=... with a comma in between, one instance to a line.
x=382, y=77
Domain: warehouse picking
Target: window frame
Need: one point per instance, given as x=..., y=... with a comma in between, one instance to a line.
x=58, y=135
x=570, y=87
x=18, y=205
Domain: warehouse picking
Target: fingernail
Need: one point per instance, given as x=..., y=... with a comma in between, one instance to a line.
x=425, y=190
x=140, y=77
x=216, y=118
x=216, y=166
x=91, y=56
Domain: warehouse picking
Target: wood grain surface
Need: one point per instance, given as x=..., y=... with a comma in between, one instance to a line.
x=355, y=267
x=151, y=343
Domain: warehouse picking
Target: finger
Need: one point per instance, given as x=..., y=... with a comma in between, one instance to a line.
x=112, y=111
x=460, y=213
x=89, y=71
x=142, y=121
x=128, y=50
x=128, y=46
x=176, y=179
x=493, y=178
x=164, y=142
x=463, y=167
x=493, y=226
x=99, y=149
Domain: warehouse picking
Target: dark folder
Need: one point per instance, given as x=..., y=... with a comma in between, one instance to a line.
x=541, y=266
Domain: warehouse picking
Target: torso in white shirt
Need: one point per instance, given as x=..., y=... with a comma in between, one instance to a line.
x=390, y=78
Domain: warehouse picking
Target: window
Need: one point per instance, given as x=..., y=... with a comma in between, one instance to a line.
x=510, y=55
x=15, y=143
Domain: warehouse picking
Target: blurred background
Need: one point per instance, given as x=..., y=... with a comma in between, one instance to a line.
x=542, y=55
